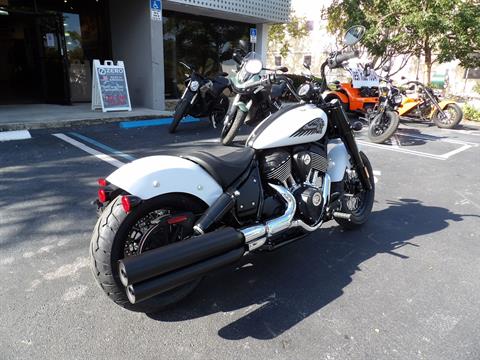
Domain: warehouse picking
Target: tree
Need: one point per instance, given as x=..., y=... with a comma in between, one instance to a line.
x=439, y=30
x=280, y=35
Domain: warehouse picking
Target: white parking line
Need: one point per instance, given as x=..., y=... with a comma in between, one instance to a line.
x=97, y=154
x=15, y=135
x=401, y=150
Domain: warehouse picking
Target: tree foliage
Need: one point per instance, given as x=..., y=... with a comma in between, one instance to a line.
x=439, y=30
x=280, y=35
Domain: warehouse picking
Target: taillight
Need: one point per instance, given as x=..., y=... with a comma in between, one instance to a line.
x=102, y=182
x=127, y=205
x=102, y=195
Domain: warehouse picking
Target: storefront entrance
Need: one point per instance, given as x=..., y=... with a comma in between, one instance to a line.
x=46, y=48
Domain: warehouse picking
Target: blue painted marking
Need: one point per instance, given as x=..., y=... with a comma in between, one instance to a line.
x=103, y=146
x=155, y=122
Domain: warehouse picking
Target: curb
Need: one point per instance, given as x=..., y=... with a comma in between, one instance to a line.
x=75, y=122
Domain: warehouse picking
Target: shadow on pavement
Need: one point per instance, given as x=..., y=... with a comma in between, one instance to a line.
x=298, y=280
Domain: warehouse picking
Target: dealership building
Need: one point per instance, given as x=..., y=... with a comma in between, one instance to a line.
x=47, y=46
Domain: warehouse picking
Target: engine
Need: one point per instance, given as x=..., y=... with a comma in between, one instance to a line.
x=301, y=171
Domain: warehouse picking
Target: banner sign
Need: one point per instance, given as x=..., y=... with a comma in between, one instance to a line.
x=156, y=10
x=360, y=80
x=109, y=87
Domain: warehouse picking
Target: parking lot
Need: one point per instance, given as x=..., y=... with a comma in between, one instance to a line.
x=406, y=286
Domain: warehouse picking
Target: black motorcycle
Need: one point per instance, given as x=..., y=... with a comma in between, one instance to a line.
x=203, y=97
x=251, y=105
x=383, y=120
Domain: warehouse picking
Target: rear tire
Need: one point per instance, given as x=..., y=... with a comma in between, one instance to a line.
x=109, y=242
x=379, y=134
x=229, y=133
x=359, y=216
x=456, y=117
x=178, y=115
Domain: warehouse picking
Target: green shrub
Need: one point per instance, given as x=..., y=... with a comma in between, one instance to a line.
x=471, y=113
x=476, y=87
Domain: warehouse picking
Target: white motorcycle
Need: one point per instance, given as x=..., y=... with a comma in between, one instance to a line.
x=169, y=220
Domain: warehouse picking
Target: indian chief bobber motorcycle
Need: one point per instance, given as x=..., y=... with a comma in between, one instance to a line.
x=169, y=220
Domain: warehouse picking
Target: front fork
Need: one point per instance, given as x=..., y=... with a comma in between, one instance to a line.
x=346, y=134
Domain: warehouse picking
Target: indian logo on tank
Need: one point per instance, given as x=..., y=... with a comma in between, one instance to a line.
x=312, y=127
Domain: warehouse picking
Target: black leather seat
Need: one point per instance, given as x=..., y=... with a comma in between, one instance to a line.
x=224, y=163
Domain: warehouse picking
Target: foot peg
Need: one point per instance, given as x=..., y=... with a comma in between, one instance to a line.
x=340, y=215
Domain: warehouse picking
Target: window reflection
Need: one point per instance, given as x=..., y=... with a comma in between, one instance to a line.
x=205, y=43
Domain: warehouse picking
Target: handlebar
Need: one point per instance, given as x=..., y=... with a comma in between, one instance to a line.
x=338, y=59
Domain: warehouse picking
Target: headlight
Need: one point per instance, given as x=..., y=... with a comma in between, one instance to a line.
x=194, y=86
x=303, y=90
x=397, y=99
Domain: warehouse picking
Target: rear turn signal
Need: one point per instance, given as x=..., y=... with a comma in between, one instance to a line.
x=102, y=182
x=102, y=195
x=129, y=202
x=127, y=206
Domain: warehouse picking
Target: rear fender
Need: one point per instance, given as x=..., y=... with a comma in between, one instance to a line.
x=336, y=94
x=151, y=176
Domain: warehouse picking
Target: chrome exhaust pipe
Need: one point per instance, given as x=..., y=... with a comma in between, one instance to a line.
x=256, y=236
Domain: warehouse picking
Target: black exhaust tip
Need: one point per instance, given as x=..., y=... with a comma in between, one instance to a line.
x=153, y=263
x=149, y=288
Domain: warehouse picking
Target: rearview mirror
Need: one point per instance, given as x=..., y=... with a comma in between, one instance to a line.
x=354, y=35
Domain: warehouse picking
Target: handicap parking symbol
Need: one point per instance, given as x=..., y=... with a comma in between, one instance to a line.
x=156, y=4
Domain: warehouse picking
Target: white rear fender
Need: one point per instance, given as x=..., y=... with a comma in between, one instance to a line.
x=338, y=160
x=156, y=175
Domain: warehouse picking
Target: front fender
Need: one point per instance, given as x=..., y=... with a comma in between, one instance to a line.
x=338, y=160
x=443, y=104
x=156, y=175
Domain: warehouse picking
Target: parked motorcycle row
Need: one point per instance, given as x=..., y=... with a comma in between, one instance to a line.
x=166, y=221
x=381, y=105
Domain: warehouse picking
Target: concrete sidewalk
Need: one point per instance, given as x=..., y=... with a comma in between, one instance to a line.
x=38, y=116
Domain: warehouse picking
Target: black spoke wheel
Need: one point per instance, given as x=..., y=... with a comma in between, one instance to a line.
x=357, y=201
x=383, y=126
x=118, y=235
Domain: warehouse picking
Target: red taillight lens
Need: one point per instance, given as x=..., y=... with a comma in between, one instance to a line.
x=102, y=195
x=176, y=219
x=127, y=206
x=102, y=182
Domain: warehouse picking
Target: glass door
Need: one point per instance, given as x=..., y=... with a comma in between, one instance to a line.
x=53, y=59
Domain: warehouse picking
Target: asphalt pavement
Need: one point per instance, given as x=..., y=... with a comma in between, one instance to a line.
x=405, y=286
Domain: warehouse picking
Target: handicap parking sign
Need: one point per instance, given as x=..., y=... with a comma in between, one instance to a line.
x=253, y=35
x=156, y=10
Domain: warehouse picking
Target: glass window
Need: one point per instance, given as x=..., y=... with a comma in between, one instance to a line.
x=278, y=61
x=205, y=43
x=307, y=59
x=310, y=25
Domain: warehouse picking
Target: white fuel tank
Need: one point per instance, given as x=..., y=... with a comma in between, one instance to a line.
x=291, y=125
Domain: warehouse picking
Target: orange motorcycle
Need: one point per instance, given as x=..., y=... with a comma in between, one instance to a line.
x=360, y=95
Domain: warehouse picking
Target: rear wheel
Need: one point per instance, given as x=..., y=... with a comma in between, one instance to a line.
x=453, y=116
x=381, y=128
x=118, y=235
x=356, y=201
x=178, y=115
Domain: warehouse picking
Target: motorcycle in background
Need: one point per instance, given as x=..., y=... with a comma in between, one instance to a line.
x=170, y=220
x=252, y=105
x=203, y=97
x=428, y=107
x=383, y=120
x=360, y=95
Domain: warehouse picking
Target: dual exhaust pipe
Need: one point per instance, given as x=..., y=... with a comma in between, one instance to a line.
x=160, y=270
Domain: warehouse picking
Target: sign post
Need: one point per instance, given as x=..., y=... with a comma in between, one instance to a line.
x=109, y=87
